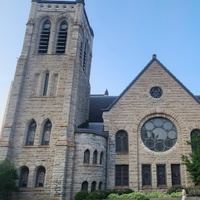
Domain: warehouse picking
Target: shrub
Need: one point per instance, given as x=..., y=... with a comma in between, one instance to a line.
x=175, y=189
x=81, y=195
x=134, y=195
x=194, y=191
x=120, y=191
x=8, y=175
x=97, y=195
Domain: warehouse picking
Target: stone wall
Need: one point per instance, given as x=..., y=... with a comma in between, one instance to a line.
x=65, y=104
x=91, y=140
x=134, y=107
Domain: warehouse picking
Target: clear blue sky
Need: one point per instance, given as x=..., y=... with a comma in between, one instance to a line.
x=127, y=33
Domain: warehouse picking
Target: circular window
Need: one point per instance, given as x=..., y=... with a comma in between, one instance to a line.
x=156, y=92
x=159, y=134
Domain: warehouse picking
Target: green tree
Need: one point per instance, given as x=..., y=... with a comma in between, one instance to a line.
x=8, y=175
x=192, y=161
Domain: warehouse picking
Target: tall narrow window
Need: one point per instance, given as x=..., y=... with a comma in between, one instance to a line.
x=85, y=56
x=84, y=186
x=122, y=141
x=161, y=175
x=146, y=175
x=86, y=158
x=176, y=175
x=100, y=186
x=62, y=38
x=101, y=158
x=46, y=83
x=46, y=133
x=121, y=175
x=40, y=177
x=81, y=52
x=44, y=37
x=93, y=186
x=31, y=133
x=23, y=179
x=95, y=157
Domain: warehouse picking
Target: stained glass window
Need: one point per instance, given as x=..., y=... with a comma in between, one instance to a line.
x=40, y=177
x=23, y=180
x=121, y=175
x=86, y=158
x=95, y=157
x=146, y=175
x=159, y=134
x=46, y=133
x=121, y=141
x=31, y=133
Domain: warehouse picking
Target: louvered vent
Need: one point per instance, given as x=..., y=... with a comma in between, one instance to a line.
x=62, y=38
x=44, y=38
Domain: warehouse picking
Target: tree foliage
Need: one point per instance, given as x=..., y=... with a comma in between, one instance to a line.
x=8, y=175
x=192, y=161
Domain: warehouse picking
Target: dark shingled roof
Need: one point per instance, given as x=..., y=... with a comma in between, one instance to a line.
x=97, y=104
x=198, y=97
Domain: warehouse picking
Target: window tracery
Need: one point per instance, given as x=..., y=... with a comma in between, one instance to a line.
x=31, y=133
x=46, y=133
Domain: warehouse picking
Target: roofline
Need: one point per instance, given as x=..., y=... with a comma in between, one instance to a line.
x=154, y=59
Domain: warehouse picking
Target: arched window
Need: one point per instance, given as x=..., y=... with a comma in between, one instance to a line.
x=46, y=133
x=93, y=186
x=121, y=141
x=84, y=186
x=195, y=139
x=86, y=158
x=95, y=157
x=23, y=179
x=100, y=186
x=62, y=38
x=31, y=133
x=101, y=158
x=44, y=37
x=40, y=177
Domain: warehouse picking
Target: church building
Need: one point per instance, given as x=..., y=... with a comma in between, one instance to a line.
x=62, y=139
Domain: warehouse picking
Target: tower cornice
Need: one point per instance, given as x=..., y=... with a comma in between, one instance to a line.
x=60, y=2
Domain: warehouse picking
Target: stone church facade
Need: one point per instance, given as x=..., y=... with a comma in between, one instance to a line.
x=62, y=139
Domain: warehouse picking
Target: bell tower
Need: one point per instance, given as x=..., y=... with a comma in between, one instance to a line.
x=49, y=98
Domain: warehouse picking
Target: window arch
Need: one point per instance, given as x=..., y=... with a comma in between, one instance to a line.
x=93, y=186
x=46, y=133
x=84, y=186
x=31, y=133
x=195, y=138
x=40, y=177
x=86, y=158
x=100, y=185
x=44, y=37
x=121, y=141
x=23, y=179
x=95, y=157
x=62, y=37
x=101, y=158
